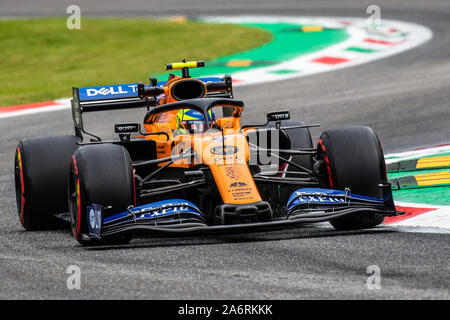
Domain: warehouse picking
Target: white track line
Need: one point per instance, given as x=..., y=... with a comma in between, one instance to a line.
x=61, y=104
x=418, y=153
x=435, y=221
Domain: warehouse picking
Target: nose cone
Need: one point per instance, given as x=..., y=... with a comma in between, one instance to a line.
x=227, y=157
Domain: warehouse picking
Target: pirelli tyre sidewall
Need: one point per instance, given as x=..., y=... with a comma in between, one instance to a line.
x=100, y=174
x=353, y=158
x=41, y=165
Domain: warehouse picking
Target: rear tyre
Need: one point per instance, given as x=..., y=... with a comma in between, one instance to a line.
x=40, y=168
x=100, y=174
x=353, y=159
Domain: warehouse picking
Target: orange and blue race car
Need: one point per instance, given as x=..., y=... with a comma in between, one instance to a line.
x=192, y=168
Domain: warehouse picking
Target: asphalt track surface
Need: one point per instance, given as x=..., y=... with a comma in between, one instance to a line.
x=405, y=98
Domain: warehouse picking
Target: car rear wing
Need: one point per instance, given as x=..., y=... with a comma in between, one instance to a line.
x=125, y=96
x=104, y=98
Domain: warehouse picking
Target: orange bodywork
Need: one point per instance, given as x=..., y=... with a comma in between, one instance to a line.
x=223, y=148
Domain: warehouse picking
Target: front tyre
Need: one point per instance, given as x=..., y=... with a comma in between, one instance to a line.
x=100, y=174
x=353, y=158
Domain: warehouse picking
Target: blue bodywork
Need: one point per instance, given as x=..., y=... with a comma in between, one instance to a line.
x=121, y=91
x=94, y=220
x=165, y=208
x=182, y=216
x=166, y=212
x=319, y=197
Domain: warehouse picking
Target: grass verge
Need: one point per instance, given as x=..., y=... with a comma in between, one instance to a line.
x=41, y=60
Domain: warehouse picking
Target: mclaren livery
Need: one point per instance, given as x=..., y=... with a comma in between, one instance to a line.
x=192, y=167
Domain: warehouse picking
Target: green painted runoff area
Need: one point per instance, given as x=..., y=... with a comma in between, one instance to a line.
x=289, y=41
x=435, y=195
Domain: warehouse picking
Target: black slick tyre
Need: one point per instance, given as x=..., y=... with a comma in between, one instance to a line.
x=103, y=175
x=353, y=159
x=41, y=166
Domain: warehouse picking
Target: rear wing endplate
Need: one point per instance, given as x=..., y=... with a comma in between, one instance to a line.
x=112, y=98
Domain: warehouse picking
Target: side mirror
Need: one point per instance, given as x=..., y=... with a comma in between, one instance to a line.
x=278, y=115
x=126, y=127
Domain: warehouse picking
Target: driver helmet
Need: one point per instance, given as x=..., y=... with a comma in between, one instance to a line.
x=189, y=120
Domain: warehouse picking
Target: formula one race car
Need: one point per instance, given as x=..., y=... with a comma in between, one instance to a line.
x=192, y=168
